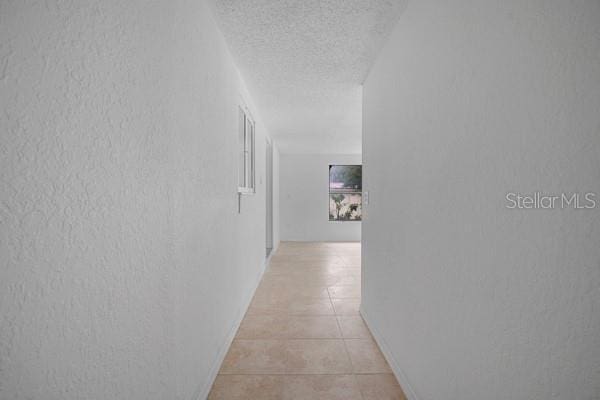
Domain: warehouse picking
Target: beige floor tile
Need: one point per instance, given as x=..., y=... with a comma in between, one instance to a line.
x=307, y=262
x=296, y=282
x=344, y=291
x=289, y=277
x=290, y=291
x=302, y=336
x=366, y=357
x=330, y=272
x=255, y=357
x=348, y=280
x=346, y=306
x=351, y=261
x=319, y=356
x=349, y=251
x=312, y=283
x=247, y=387
x=316, y=247
x=286, y=275
x=288, y=327
x=297, y=247
x=306, y=252
x=350, y=254
x=312, y=253
x=298, y=306
x=262, y=327
x=353, y=327
x=380, y=387
x=343, y=245
x=337, y=276
x=321, y=387
x=322, y=280
x=313, y=327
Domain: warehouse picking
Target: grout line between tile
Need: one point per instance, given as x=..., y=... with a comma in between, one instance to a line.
x=288, y=273
x=337, y=320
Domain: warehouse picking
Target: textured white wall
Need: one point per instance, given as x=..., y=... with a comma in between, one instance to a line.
x=304, y=197
x=467, y=101
x=124, y=263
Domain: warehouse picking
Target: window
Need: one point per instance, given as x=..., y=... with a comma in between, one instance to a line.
x=345, y=192
x=246, y=153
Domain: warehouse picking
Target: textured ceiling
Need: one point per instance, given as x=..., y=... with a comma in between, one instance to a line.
x=304, y=62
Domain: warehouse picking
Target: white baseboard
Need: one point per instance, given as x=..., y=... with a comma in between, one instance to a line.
x=203, y=392
x=394, y=365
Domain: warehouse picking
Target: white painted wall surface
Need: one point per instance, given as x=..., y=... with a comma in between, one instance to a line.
x=304, y=197
x=468, y=101
x=125, y=265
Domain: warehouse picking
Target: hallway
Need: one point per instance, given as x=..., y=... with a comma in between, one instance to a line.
x=300, y=199
x=303, y=337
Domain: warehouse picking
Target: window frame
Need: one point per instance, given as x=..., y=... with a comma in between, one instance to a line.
x=329, y=192
x=246, y=150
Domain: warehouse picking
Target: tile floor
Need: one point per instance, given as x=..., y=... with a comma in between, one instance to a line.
x=303, y=337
